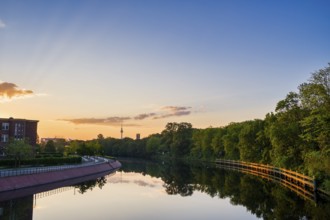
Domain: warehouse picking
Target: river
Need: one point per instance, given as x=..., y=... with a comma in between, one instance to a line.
x=167, y=190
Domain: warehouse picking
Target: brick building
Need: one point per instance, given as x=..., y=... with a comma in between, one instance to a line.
x=17, y=129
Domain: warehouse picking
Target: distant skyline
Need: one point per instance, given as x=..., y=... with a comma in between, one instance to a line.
x=83, y=68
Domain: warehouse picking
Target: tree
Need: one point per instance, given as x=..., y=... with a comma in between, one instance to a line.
x=315, y=96
x=249, y=144
x=50, y=147
x=72, y=148
x=284, y=132
x=178, y=137
x=60, y=144
x=19, y=150
x=196, y=150
x=231, y=140
x=153, y=145
x=207, y=149
x=316, y=93
x=217, y=142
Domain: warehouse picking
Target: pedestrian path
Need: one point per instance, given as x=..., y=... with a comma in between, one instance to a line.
x=86, y=161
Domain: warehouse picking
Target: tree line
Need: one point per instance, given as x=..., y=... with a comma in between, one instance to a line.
x=295, y=136
x=261, y=197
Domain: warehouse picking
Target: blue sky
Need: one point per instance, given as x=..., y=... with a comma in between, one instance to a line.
x=93, y=65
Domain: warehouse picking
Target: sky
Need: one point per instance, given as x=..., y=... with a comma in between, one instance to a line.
x=84, y=68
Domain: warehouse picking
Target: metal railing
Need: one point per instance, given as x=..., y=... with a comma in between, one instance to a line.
x=89, y=161
x=303, y=185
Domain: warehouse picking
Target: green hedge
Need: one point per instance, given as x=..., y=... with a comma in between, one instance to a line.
x=41, y=155
x=46, y=161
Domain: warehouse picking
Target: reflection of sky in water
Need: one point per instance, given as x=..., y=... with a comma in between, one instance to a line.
x=135, y=196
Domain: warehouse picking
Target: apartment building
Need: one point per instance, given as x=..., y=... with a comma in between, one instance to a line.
x=17, y=129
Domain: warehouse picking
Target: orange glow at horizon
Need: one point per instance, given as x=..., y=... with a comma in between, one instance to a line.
x=88, y=132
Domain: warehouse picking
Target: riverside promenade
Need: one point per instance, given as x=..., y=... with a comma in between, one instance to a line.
x=31, y=180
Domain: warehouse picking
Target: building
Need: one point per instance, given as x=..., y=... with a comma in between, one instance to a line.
x=45, y=140
x=138, y=136
x=17, y=129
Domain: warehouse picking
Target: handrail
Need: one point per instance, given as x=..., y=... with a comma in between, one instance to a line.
x=273, y=171
x=264, y=166
x=303, y=185
x=34, y=170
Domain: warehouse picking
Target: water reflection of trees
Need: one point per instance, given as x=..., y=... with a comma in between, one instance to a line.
x=21, y=208
x=89, y=185
x=261, y=197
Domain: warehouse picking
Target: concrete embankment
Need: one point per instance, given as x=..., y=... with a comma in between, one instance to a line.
x=14, y=183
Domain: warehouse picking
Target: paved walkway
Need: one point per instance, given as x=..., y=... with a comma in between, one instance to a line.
x=86, y=161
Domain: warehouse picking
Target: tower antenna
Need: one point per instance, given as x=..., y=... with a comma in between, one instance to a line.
x=121, y=131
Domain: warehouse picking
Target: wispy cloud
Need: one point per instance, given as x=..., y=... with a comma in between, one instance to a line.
x=144, y=116
x=110, y=121
x=9, y=91
x=176, y=108
x=144, y=183
x=164, y=112
x=173, y=111
x=2, y=24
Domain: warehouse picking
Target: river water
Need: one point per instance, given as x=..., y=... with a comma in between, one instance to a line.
x=167, y=190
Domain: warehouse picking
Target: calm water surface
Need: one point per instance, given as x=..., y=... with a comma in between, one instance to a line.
x=144, y=190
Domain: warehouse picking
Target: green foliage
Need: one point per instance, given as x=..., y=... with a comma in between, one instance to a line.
x=153, y=145
x=231, y=141
x=18, y=150
x=318, y=163
x=217, y=142
x=50, y=147
x=251, y=141
x=296, y=136
x=89, y=185
x=177, y=137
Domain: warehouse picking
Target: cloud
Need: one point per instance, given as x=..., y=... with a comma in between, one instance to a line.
x=2, y=24
x=176, y=108
x=143, y=183
x=10, y=91
x=173, y=111
x=110, y=121
x=165, y=112
x=144, y=116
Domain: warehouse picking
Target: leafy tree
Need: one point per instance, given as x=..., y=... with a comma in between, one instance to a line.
x=178, y=137
x=60, y=145
x=50, y=147
x=315, y=96
x=197, y=137
x=284, y=133
x=72, y=147
x=217, y=142
x=153, y=145
x=19, y=150
x=207, y=149
x=249, y=144
x=231, y=141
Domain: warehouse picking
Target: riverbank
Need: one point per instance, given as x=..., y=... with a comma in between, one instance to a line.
x=11, y=184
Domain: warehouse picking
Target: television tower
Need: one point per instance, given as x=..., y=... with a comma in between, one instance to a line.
x=121, y=131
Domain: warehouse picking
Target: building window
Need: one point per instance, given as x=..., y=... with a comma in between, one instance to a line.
x=5, y=126
x=4, y=138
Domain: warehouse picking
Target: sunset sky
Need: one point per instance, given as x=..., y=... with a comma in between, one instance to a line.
x=85, y=67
